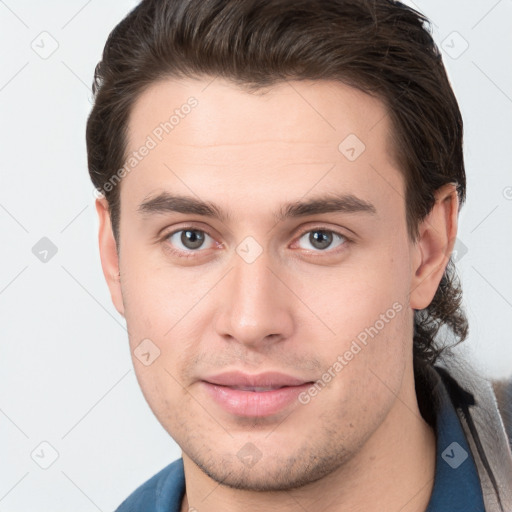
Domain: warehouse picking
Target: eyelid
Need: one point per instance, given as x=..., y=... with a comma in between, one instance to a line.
x=191, y=225
x=322, y=227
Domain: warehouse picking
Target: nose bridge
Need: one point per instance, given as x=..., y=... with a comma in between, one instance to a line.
x=254, y=305
x=253, y=283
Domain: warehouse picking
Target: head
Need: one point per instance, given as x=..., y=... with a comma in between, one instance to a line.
x=277, y=103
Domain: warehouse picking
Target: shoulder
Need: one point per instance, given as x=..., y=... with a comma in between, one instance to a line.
x=163, y=491
x=503, y=391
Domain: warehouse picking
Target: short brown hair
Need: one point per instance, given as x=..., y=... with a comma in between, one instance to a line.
x=381, y=47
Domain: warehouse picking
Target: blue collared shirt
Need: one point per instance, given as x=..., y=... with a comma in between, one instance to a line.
x=456, y=483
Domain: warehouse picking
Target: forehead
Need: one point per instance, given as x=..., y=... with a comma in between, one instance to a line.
x=208, y=135
x=322, y=111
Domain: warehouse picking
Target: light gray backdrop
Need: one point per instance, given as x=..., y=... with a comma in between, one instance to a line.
x=76, y=431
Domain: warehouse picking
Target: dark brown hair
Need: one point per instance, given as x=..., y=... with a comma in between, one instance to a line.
x=381, y=47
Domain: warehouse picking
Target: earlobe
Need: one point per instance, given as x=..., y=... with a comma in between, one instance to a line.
x=437, y=234
x=109, y=254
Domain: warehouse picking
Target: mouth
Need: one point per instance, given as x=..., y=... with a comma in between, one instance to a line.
x=259, y=395
x=255, y=389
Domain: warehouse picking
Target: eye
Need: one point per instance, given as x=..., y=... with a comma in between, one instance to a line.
x=321, y=239
x=189, y=240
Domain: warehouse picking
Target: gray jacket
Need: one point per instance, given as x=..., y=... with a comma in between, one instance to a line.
x=484, y=408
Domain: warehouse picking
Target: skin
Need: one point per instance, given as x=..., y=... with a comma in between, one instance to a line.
x=360, y=443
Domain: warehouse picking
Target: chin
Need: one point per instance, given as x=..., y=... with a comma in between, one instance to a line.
x=275, y=473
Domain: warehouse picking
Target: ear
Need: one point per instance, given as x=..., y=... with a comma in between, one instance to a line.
x=108, y=254
x=432, y=249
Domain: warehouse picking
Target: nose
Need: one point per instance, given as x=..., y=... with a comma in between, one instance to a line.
x=256, y=306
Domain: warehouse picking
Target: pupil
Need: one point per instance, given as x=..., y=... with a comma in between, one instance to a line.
x=320, y=239
x=192, y=239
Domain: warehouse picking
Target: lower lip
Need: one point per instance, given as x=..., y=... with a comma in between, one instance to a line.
x=254, y=403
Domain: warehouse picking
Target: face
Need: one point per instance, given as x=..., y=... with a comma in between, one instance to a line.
x=266, y=275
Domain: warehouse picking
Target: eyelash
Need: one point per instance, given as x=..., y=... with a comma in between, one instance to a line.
x=192, y=253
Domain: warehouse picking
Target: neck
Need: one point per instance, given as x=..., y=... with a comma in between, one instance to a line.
x=393, y=470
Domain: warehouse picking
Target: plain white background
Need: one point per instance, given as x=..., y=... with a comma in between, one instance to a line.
x=67, y=379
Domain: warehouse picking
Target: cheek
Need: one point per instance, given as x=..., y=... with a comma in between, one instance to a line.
x=365, y=306
x=161, y=308
x=364, y=292
x=157, y=297
x=161, y=389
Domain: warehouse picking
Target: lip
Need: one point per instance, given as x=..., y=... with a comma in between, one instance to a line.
x=267, y=379
x=225, y=391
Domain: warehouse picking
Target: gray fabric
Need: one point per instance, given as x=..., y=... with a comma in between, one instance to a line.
x=486, y=419
x=503, y=391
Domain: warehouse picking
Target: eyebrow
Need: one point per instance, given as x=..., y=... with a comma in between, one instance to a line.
x=330, y=203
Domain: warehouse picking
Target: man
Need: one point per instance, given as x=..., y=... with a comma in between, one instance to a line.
x=279, y=190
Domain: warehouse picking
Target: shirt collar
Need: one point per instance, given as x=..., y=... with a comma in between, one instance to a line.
x=456, y=483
